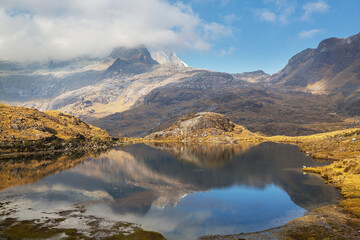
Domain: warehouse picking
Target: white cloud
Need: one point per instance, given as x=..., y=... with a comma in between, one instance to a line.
x=266, y=15
x=283, y=9
x=230, y=19
x=309, y=33
x=227, y=52
x=214, y=30
x=314, y=7
x=43, y=29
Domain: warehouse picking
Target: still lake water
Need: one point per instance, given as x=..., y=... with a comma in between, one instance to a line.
x=181, y=191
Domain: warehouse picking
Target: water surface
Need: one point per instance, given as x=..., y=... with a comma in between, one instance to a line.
x=181, y=191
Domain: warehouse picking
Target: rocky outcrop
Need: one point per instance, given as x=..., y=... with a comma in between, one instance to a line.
x=203, y=127
x=130, y=61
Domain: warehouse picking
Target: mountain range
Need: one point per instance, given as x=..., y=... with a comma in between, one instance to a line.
x=134, y=92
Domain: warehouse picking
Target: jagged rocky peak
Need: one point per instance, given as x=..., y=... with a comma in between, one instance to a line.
x=167, y=57
x=130, y=61
x=133, y=55
x=255, y=76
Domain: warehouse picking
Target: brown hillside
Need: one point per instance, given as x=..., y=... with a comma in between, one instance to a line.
x=28, y=131
x=20, y=123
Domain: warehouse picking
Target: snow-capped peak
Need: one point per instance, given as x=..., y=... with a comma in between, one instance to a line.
x=167, y=57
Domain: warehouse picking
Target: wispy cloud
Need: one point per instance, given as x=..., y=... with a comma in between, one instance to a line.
x=283, y=9
x=308, y=34
x=227, y=52
x=266, y=15
x=42, y=29
x=314, y=7
x=214, y=30
x=230, y=19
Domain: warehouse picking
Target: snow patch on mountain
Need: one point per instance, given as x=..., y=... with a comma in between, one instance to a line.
x=167, y=57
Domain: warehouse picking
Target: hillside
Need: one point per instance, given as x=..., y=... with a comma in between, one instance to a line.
x=27, y=129
x=333, y=68
x=334, y=65
x=267, y=110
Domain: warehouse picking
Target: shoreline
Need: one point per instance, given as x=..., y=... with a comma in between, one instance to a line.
x=44, y=148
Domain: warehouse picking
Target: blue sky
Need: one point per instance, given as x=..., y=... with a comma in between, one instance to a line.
x=266, y=33
x=222, y=35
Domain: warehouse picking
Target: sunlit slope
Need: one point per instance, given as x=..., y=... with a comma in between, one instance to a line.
x=23, y=124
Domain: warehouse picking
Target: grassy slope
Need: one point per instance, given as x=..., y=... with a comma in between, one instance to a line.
x=24, y=124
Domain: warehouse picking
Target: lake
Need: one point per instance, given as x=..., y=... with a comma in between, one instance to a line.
x=181, y=191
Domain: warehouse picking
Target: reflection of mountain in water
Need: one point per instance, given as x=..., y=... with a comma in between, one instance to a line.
x=138, y=177
x=147, y=176
x=205, y=155
x=24, y=171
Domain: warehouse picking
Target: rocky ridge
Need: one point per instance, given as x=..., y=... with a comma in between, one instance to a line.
x=333, y=65
x=253, y=77
x=333, y=69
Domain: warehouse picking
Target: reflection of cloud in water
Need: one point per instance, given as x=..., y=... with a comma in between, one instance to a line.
x=61, y=189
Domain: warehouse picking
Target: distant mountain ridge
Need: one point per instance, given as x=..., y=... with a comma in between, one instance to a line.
x=134, y=91
x=254, y=77
x=334, y=65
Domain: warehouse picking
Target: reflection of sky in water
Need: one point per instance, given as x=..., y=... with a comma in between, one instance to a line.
x=183, y=203
x=234, y=209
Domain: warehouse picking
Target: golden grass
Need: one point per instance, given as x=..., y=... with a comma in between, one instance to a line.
x=352, y=205
x=23, y=124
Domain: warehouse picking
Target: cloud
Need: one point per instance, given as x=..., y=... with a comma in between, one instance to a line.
x=214, y=30
x=266, y=15
x=225, y=2
x=283, y=9
x=230, y=19
x=308, y=34
x=227, y=52
x=314, y=7
x=42, y=29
